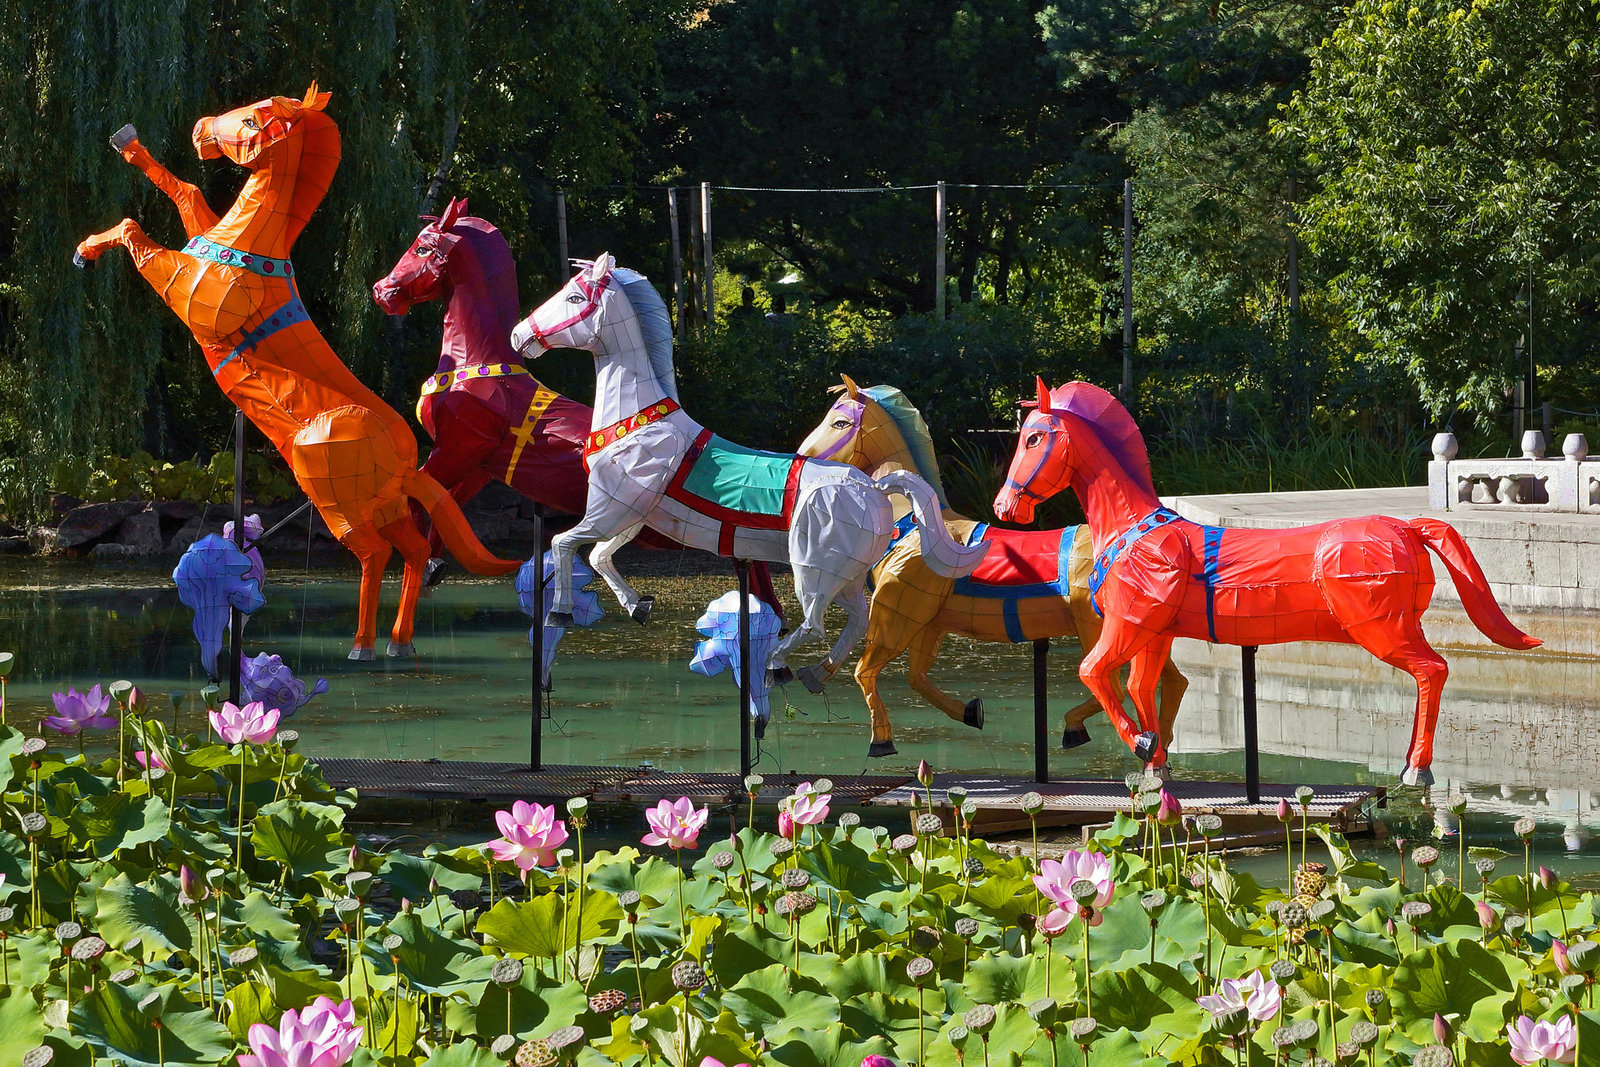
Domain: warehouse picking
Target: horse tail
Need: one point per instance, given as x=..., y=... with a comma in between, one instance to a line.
x=945, y=557
x=452, y=526
x=1470, y=583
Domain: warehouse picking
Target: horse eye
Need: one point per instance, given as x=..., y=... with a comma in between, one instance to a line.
x=1034, y=439
x=575, y=298
x=250, y=124
x=424, y=253
x=841, y=424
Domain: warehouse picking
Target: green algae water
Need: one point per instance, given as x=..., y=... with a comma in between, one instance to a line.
x=623, y=695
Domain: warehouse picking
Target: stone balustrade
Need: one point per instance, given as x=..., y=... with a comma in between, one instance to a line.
x=1569, y=484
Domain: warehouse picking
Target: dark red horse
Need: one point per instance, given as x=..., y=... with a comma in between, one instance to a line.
x=488, y=417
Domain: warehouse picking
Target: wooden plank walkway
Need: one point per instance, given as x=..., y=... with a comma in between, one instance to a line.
x=1084, y=803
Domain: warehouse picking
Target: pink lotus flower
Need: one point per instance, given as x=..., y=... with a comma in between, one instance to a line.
x=1169, y=812
x=1532, y=1042
x=148, y=760
x=1257, y=994
x=711, y=1061
x=1054, y=923
x=532, y=835
x=808, y=807
x=76, y=712
x=1558, y=956
x=1055, y=880
x=675, y=825
x=877, y=1061
x=323, y=1035
x=1487, y=919
x=786, y=825
x=252, y=723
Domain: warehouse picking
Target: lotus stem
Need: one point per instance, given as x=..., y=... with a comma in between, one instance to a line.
x=238, y=853
x=683, y=932
x=922, y=1056
x=1088, y=994
x=1288, y=857
x=1206, y=904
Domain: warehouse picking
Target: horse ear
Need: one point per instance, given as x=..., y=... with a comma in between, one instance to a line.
x=850, y=386
x=1044, y=396
x=452, y=211
x=601, y=266
x=315, y=101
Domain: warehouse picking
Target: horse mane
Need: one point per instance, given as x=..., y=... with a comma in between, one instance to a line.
x=1112, y=423
x=913, y=431
x=655, y=325
x=496, y=265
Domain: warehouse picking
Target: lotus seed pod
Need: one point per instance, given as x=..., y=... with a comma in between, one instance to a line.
x=466, y=899
x=753, y=783
x=1573, y=987
x=120, y=689
x=1283, y=1038
x=1514, y=922
x=918, y=968
x=501, y=1046
x=7, y=660
x=1043, y=1011
x=1458, y=805
x=150, y=1004
x=1319, y=911
x=607, y=1001
x=980, y=1018
x=781, y=848
x=346, y=908
x=1208, y=824
x=359, y=882
x=43, y=1056
x=1364, y=1033
x=578, y=807
x=1433, y=1056
x=904, y=843
x=849, y=821
x=799, y=903
x=506, y=971
x=68, y=931
x=1304, y=1032
x=1133, y=780
x=957, y=1036
x=287, y=738
x=1149, y=802
x=969, y=810
x=722, y=860
x=1485, y=867
x=1414, y=911
x=6, y=914
x=124, y=976
x=1083, y=890
x=1083, y=1028
x=1031, y=803
x=821, y=785
x=966, y=928
x=629, y=899
x=1376, y=998
x=1294, y=915
x=1283, y=970
x=1153, y=901
x=794, y=878
x=1151, y=783
x=1425, y=856
x=243, y=956
x=569, y=1037
x=392, y=943
x=954, y=796
x=1524, y=827
x=1582, y=956
x=535, y=1054
x=34, y=824
x=1304, y=794
x=1346, y=1052
x=929, y=824
x=1318, y=1061
x=973, y=868
x=688, y=975
x=90, y=949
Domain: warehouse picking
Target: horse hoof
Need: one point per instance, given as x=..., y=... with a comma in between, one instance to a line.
x=1145, y=746
x=973, y=715
x=881, y=748
x=781, y=675
x=641, y=611
x=433, y=571
x=1071, y=738
x=559, y=619
x=1417, y=776
x=124, y=137
x=363, y=655
x=815, y=679
x=79, y=262
x=407, y=649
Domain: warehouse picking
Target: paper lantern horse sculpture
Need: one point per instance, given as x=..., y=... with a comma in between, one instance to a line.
x=488, y=417
x=1158, y=576
x=651, y=464
x=1033, y=583
x=233, y=285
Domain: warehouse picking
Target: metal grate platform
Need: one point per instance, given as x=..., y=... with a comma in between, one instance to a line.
x=453, y=780
x=848, y=791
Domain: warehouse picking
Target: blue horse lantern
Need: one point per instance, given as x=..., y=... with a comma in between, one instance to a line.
x=720, y=650
x=269, y=680
x=586, y=610
x=213, y=576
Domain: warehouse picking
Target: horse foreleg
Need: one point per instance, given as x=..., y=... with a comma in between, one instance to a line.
x=1117, y=645
x=597, y=525
x=813, y=608
x=413, y=547
x=874, y=658
x=854, y=602
x=637, y=607
x=373, y=552
x=191, y=203
x=924, y=651
x=1142, y=678
x=1173, y=686
x=141, y=249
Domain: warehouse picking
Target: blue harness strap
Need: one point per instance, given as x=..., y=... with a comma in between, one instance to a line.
x=290, y=313
x=286, y=316
x=1107, y=556
x=1213, y=549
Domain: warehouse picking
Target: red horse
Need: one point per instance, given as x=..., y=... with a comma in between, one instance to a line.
x=1158, y=576
x=488, y=417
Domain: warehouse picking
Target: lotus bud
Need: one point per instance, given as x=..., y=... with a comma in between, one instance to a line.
x=1558, y=954
x=786, y=826
x=1486, y=918
x=1441, y=1030
x=191, y=886
x=1285, y=814
x=433, y=888
x=353, y=860
x=1547, y=878
x=1169, y=812
x=924, y=773
x=135, y=698
x=877, y=1061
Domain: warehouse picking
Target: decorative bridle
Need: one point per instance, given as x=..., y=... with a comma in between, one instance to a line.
x=592, y=292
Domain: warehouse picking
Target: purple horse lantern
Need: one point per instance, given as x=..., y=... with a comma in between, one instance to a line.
x=585, y=612
x=213, y=576
x=720, y=650
x=269, y=680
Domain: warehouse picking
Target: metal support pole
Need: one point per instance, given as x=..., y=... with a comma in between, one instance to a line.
x=561, y=235
x=1041, y=712
x=745, y=666
x=677, y=267
x=235, y=616
x=1252, y=751
x=1127, y=290
x=938, y=250
x=536, y=638
x=709, y=269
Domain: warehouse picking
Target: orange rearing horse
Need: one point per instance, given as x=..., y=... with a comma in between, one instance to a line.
x=1158, y=576
x=233, y=285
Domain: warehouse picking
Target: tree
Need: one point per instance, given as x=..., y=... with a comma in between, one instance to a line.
x=1455, y=146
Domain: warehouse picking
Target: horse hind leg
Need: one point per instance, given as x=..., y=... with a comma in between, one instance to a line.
x=877, y=655
x=1407, y=649
x=638, y=607
x=854, y=602
x=924, y=651
x=373, y=552
x=404, y=535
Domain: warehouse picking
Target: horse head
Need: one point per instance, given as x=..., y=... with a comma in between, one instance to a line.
x=422, y=273
x=838, y=434
x=1044, y=463
x=247, y=134
x=568, y=319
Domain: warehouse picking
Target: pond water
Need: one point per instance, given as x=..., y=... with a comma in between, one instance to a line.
x=624, y=695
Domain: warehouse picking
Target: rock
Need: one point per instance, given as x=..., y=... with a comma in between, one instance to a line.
x=14, y=546
x=140, y=533
x=496, y=496
x=520, y=531
x=489, y=525
x=110, y=550
x=91, y=522
x=187, y=534
x=61, y=503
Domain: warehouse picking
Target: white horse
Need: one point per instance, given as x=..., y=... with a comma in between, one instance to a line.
x=651, y=464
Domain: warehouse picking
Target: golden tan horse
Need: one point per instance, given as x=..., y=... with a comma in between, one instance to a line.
x=1033, y=584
